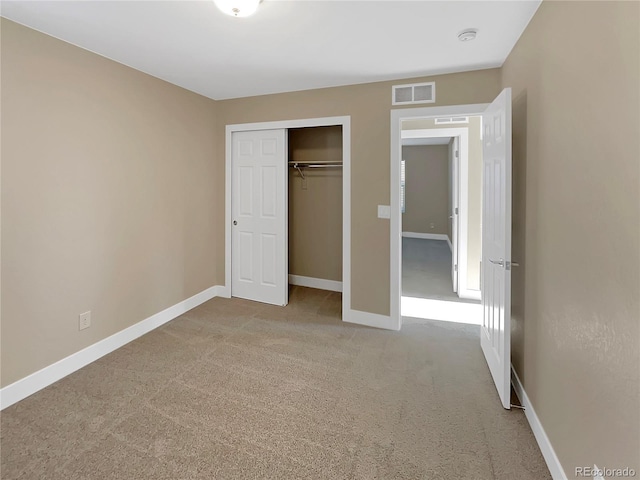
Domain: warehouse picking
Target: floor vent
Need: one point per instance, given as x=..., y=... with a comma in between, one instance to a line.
x=413, y=93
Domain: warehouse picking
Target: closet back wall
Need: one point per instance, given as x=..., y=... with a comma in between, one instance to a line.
x=315, y=212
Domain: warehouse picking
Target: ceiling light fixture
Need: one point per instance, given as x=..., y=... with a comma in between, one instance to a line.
x=238, y=8
x=467, y=35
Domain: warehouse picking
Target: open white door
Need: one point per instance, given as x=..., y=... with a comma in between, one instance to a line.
x=454, y=211
x=259, y=261
x=495, y=334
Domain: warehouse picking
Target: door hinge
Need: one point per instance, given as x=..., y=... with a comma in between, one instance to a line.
x=455, y=267
x=457, y=154
x=456, y=210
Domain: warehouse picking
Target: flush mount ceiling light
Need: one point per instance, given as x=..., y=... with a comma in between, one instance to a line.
x=467, y=35
x=238, y=8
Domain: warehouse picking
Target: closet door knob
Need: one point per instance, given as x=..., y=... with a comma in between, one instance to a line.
x=235, y=222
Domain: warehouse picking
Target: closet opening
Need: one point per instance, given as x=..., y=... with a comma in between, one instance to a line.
x=315, y=207
x=288, y=211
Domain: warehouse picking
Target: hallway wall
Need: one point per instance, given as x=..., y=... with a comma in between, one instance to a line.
x=426, y=189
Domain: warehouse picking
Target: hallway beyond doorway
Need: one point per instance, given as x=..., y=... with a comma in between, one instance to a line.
x=427, y=290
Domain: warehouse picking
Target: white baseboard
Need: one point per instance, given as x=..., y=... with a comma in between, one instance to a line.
x=426, y=236
x=311, y=282
x=371, y=320
x=223, y=291
x=555, y=468
x=43, y=378
x=469, y=294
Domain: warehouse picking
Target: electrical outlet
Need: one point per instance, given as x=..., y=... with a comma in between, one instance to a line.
x=432, y=225
x=84, y=320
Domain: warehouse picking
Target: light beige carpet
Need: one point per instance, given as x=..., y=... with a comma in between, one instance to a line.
x=241, y=390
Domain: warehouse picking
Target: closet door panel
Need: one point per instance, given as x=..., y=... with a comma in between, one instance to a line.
x=259, y=210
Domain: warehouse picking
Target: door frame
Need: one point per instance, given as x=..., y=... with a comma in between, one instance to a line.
x=345, y=122
x=454, y=167
x=463, y=197
x=397, y=116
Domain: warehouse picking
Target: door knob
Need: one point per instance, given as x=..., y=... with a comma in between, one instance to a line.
x=497, y=262
x=235, y=222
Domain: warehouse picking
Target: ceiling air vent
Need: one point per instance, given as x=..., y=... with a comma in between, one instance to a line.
x=449, y=120
x=414, y=93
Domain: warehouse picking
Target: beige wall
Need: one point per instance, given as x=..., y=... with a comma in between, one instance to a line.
x=107, y=198
x=369, y=106
x=426, y=189
x=315, y=204
x=576, y=178
x=113, y=190
x=113, y=200
x=474, y=189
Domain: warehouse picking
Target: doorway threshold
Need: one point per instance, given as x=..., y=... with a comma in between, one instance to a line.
x=443, y=310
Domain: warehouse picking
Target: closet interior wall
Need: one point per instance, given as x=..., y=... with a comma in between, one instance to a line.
x=315, y=204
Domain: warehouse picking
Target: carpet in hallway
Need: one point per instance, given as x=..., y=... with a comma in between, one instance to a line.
x=426, y=270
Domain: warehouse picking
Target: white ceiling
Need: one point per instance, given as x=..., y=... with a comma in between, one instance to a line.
x=287, y=45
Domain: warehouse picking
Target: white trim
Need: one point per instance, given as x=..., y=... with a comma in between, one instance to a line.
x=473, y=109
x=371, y=320
x=395, y=254
x=345, y=122
x=320, y=283
x=43, y=378
x=463, y=212
x=449, y=243
x=549, y=454
x=223, y=291
x=469, y=294
x=346, y=215
x=440, y=132
x=426, y=236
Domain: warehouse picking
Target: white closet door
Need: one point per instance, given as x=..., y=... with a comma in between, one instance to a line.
x=259, y=260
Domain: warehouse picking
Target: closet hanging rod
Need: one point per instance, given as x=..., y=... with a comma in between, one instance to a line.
x=315, y=165
x=300, y=165
x=308, y=163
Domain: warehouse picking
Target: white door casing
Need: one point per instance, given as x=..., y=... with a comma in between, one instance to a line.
x=259, y=216
x=454, y=213
x=495, y=333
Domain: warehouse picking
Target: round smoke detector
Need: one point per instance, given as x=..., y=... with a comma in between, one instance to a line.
x=467, y=35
